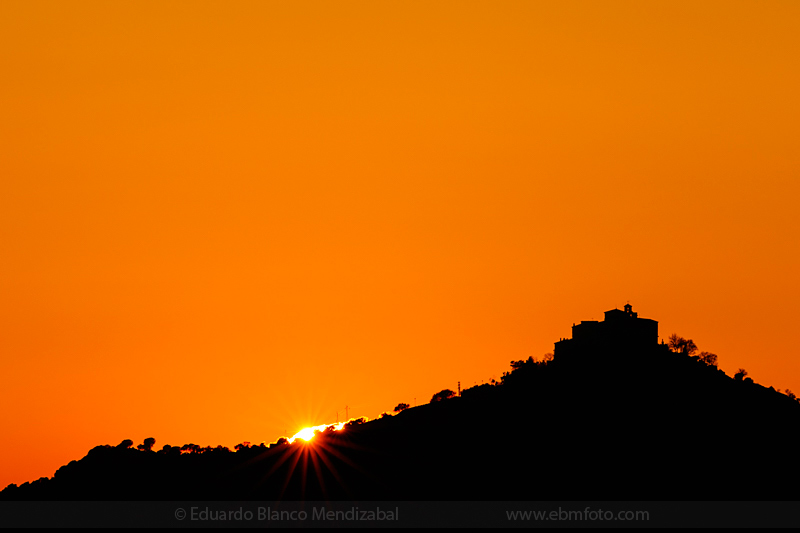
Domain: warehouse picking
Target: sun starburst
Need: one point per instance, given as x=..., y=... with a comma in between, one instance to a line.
x=307, y=433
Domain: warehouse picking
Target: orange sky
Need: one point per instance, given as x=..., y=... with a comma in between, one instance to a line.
x=223, y=221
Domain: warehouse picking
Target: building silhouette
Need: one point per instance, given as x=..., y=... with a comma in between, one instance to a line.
x=622, y=332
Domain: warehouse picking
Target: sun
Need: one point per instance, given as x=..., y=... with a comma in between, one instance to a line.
x=307, y=434
x=317, y=460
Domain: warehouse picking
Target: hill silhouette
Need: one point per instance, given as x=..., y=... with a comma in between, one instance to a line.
x=605, y=418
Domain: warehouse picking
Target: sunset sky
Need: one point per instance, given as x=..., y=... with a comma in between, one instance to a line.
x=225, y=221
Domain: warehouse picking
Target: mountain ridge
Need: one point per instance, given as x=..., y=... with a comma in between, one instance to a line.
x=612, y=425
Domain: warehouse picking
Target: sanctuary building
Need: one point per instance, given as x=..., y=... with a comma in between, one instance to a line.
x=620, y=332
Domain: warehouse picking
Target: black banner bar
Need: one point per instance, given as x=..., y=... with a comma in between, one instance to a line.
x=400, y=514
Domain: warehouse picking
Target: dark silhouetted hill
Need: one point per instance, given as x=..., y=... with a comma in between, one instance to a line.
x=607, y=425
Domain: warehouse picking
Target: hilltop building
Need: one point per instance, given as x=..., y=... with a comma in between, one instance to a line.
x=620, y=332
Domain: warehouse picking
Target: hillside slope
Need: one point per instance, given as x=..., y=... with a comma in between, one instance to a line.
x=644, y=426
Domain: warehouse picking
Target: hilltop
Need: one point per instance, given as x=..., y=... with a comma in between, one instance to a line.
x=606, y=418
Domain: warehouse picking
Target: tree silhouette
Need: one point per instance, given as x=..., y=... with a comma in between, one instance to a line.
x=147, y=445
x=675, y=343
x=708, y=358
x=681, y=345
x=170, y=450
x=127, y=443
x=356, y=422
x=740, y=374
x=191, y=448
x=521, y=363
x=442, y=395
x=401, y=407
x=690, y=347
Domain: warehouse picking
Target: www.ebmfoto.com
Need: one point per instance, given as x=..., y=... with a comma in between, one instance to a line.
x=586, y=514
